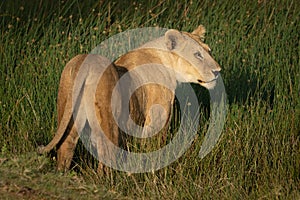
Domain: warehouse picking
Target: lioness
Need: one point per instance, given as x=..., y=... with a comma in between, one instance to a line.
x=184, y=57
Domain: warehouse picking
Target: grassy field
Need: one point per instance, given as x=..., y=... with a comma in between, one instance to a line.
x=255, y=42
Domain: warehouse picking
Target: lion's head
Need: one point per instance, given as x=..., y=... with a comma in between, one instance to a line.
x=195, y=62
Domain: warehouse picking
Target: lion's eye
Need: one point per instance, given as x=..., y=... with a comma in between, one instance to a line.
x=198, y=55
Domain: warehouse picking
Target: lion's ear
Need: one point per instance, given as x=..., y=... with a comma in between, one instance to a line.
x=174, y=39
x=200, y=31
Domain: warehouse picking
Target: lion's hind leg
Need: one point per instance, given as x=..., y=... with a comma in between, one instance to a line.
x=66, y=149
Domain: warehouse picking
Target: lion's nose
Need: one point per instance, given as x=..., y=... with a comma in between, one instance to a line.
x=216, y=73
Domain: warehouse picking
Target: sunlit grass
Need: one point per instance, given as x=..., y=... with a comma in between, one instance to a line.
x=255, y=42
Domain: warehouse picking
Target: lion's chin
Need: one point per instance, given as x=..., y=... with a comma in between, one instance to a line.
x=209, y=85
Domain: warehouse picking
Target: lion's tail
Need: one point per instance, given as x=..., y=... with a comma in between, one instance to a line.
x=68, y=111
x=60, y=131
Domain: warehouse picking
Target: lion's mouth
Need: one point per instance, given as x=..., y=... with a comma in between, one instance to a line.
x=200, y=81
x=216, y=77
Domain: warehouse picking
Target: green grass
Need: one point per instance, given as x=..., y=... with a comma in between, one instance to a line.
x=255, y=42
x=28, y=177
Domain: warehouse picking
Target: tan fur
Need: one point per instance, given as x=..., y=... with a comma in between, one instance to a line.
x=67, y=134
x=174, y=51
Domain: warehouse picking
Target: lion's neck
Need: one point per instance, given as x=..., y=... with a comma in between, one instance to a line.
x=142, y=56
x=150, y=65
x=158, y=44
x=174, y=65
